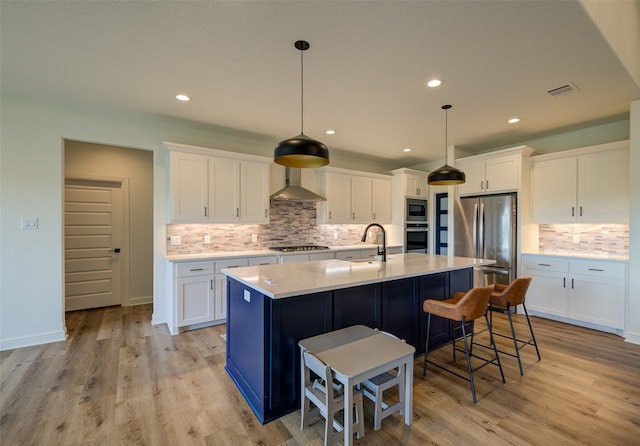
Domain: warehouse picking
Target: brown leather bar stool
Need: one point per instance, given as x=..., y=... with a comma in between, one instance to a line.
x=504, y=298
x=463, y=308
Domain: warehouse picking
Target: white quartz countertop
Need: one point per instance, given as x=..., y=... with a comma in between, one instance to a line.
x=286, y=280
x=221, y=255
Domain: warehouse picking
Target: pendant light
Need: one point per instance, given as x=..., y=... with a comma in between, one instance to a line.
x=446, y=175
x=301, y=151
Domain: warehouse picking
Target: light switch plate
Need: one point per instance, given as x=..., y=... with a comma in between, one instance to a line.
x=28, y=223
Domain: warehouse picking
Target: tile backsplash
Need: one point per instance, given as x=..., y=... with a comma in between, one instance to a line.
x=291, y=223
x=593, y=239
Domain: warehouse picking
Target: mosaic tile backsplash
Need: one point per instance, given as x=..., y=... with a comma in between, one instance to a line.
x=290, y=224
x=593, y=239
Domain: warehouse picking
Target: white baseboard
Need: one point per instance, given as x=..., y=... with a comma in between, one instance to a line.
x=28, y=341
x=141, y=300
x=633, y=338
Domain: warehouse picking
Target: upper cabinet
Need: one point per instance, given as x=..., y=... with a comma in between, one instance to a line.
x=212, y=186
x=354, y=197
x=490, y=173
x=582, y=186
x=415, y=185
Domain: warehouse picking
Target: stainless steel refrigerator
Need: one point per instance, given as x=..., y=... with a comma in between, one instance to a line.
x=485, y=227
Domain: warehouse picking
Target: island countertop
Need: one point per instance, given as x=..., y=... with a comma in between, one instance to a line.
x=286, y=280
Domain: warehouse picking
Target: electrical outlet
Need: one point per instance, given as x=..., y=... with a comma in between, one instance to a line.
x=207, y=239
x=254, y=238
x=576, y=238
x=175, y=240
x=335, y=236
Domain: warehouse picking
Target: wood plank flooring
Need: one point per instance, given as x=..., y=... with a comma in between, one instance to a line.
x=118, y=380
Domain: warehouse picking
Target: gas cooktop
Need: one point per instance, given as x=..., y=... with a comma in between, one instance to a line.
x=298, y=248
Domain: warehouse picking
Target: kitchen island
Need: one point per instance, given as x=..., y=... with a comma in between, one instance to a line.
x=272, y=307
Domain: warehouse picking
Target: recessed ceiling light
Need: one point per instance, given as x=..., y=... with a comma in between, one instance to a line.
x=406, y=149
x=183, y=97
x=330, y=132
x=434, y=83
x=513, y=120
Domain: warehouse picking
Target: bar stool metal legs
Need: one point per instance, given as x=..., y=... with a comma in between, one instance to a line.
x=463, y=308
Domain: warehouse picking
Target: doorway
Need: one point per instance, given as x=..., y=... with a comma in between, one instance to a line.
x=442, y=229
x=95, y=167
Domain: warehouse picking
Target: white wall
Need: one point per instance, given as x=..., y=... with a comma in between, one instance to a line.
x=632, y=333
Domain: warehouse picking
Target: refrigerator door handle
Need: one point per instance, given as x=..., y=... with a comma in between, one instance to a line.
x=475, y=229
x=481, y=232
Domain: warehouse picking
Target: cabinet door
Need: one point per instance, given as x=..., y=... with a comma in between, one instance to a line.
x=195, y=300
x=433, y=286
x=381, y=201
x=338, y=198
x=474, y=177
x=416, y=185
x=356, y=305
x=547, y=292
x=399, y=305
x=254, y=192
x=188, y=186
x=224, y=190
x=502, y=174
x=598, y=300
x=361, y=199
x=554, y=191
x=603, y=187
x=220, y=297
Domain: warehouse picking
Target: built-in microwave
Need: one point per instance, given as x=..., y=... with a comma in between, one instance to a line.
x=416, y=210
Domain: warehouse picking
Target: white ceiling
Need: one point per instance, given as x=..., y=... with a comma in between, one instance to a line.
x=364, y=74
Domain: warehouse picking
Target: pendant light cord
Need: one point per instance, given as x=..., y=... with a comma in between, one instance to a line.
x=446, y=131
x=302, y=92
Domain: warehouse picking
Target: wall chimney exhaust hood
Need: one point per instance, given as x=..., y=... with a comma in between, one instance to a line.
x=293, y=191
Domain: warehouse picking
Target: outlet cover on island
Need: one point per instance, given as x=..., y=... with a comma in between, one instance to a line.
x=175, y=240
x=254, y=238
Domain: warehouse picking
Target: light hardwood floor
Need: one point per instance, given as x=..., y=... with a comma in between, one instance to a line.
x=118, y=380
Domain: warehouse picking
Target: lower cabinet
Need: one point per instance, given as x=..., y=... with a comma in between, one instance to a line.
x=194, y=293
x=586, y=292
x=200, y=289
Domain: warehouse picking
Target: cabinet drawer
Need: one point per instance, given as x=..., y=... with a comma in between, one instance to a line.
x=601, y=269
x=269, y=260
x=546, y=264
x=232, y=263
x=194, y=269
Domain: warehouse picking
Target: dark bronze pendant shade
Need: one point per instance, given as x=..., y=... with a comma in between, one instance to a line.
x=301, y=151
x=446, y=175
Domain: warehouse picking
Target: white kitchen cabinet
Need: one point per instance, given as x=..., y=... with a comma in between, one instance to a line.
x=489, y=174
x=194, y=293
x=585, y=291
x=356, y=254
x=231, y=188
x=220, y=296
x=381, y=201
x=354, y=198
x=338, y=195
x=188, y=180
x=589, y=187
x=415, y=185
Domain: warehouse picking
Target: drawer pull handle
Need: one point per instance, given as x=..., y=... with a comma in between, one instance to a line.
x=564, y=282
x=544, y=264
x=232, y=266
x=595, y=269
x=196, y=269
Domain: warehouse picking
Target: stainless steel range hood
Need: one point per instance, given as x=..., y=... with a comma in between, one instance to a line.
x=293, y=191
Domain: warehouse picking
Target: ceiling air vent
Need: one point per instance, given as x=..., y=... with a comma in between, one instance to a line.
x=563, y=89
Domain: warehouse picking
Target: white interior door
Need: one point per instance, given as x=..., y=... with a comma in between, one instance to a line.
x=93, y=233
